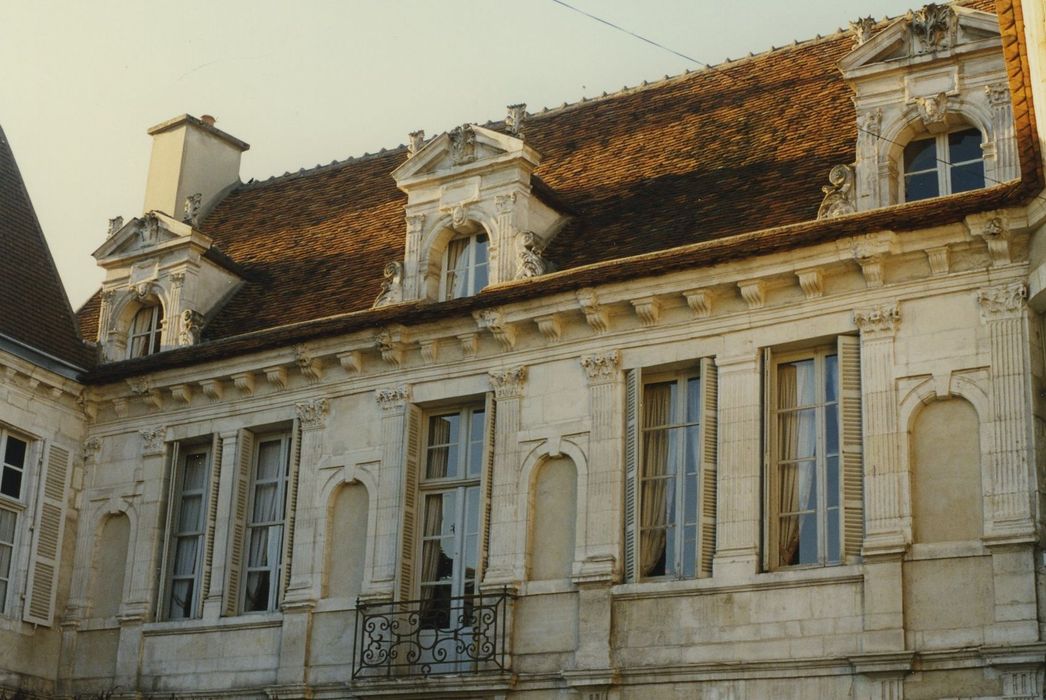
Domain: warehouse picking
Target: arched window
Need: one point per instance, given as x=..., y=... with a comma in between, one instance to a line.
x=144, y=337
x=943, y=164
x=464, y=266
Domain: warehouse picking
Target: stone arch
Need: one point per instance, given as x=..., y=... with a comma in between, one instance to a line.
x=360, y=476
x=434, y=243
x=111, y=554
x=552, y=448
x=945, y=388
x=113, y=334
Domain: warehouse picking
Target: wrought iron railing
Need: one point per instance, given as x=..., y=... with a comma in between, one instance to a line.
x=429, y=637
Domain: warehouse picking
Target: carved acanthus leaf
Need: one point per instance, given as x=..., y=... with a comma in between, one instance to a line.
x=863, y=30
x=508, y=383
x=932, y=27
x=462, y=145
x=115, y=224
x=312, y=414
x=878, y=320
x=515, y=119
x=415, y=142
x=840, y=195
x=1003, y=300
x=153, y=440
x=392, y=398
x=602, y=367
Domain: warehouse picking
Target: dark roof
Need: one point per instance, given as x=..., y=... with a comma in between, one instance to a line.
x=34, y=310
x=685, y=172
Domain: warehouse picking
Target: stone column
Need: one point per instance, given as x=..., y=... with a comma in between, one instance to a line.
x=414, y=287
x=602, y=548
x=172, y=311
x=1003, y=141
x=740, y=410
x=304, y=588
x=393, y=402
x=501, y=248
x=505, y=551
x=227, y=475
x=887, y=523
x=1010, y=512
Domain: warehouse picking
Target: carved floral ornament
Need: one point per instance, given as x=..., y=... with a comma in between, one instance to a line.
x=313, y=414
x=1004, y=300
x=415, y=142
x=863, y=30
x=601, y=368
x=462, y=145
x=392, y=398
x=508, y=383
x=153, y=440
x=515, y=119
x=932, y=27
x=115, y=224
x=840, y=195
x=879, y=320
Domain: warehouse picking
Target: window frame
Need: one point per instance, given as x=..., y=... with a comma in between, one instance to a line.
x=184, y=451
x=153, y=333
x=943, y=165
x=446, y=292
x=18, y=507
x=275, y=570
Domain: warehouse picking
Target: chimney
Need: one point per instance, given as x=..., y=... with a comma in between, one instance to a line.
x=190, y=156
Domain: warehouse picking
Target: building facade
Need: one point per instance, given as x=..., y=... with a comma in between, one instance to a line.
x=616, y=400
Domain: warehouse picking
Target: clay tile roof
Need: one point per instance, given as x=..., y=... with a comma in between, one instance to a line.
x=34, y=310
x=715, y=164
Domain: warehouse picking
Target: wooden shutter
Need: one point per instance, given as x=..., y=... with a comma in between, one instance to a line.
x=212, y=514
x=408, y=528
x=709, y=455
x=46, y=549
x=292, y=506
x=237, y=533
x=489, y=422
x=171, y=463
x=851, y=449
x=770, y=553
x=633, y=400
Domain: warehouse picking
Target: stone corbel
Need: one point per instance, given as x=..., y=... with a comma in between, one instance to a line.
x=276, y=376
x=551, y=326
x=996, y=234
x=469, y=345
x=811, y=281
x=312, y=415
x=872, y=270
x=429, y=350
x=699, y=301
x=89, y=407
x=595, y=314
x=141, y=389
x=310, y=367
x=391, y=344
x=182, y=393
x=120, y=407
x=753, y=292
x=244, y=383
x=648, y=309
x=213, y=389
x=351, y=361
x=939, y=260
x=493, y=320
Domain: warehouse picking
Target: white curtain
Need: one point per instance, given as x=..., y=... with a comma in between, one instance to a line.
x=657, y=405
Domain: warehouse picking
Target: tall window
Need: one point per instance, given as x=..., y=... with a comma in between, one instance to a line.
x=144, y=336
x=188, y=526
x=450, y=493
x=943, y=164
x=814, y=484
x=465, y=266
x=13, y=452
x=265, y=522
x=670, y=488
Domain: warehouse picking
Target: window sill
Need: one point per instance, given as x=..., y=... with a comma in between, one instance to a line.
x=202, y=626
x=793, y=578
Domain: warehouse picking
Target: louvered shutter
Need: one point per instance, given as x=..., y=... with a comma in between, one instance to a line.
x=47, y=537
x=171, y=463
x=408, y=528
x=709, y=459
x=212, y=514
x=237, y=533
x=633, y=398
x=489, y=423
x=851, y=448
x=770, y=520
x=292, y=507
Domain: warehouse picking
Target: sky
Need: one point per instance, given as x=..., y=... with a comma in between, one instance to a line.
x=314, y=81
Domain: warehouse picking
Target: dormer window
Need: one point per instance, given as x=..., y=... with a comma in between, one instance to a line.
x=144, y=336
x=943, y=164
x=465, y=266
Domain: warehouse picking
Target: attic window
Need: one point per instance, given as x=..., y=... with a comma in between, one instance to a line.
x=465, y=266
x=943, y=164
x=144, y=337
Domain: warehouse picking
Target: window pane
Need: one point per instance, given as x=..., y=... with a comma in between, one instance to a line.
x=195, y=472
x=922, y=186
x=7, y=526
x=257, y=595
x=920, y=155
x=831, y=378
x=659, y=404
x=797, y=488
x=185, y=556
x=796, y=385
x=831, y=437
x=457, y=268
x=967, y=177
x=11, y=483
x=476, y=437
x=15, y=452
x=689, y=551
x=834, y=549
x=5, y=562
x=964, y=145
x=832, y=479
x=442, y=461
x=693, y=400
x=181, y=600
x=190, y=515
x=269, y=460
x=797, y=436
x=807, y=540
x=266, y=509
x=480, y=275
x=258, y=552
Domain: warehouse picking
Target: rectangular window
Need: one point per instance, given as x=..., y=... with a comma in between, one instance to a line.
x=13, y=455
x=670, y=487
x=187, y=532
x=450, y=496
x=814, y=481
x=8, y=521
x=266, y=515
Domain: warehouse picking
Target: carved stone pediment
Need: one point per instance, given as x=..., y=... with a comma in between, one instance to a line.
x=140, y=234
x=461, y=147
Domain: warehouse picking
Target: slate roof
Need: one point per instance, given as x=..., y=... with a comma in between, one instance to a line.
x=715, y=164
x=34, y=310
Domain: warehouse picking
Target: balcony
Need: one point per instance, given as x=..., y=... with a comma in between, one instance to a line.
x=421, y=638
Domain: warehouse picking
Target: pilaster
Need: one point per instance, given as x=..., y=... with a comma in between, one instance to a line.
x=393, y=402
x=738, y=492
x=505, y=551
x=213, y=596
